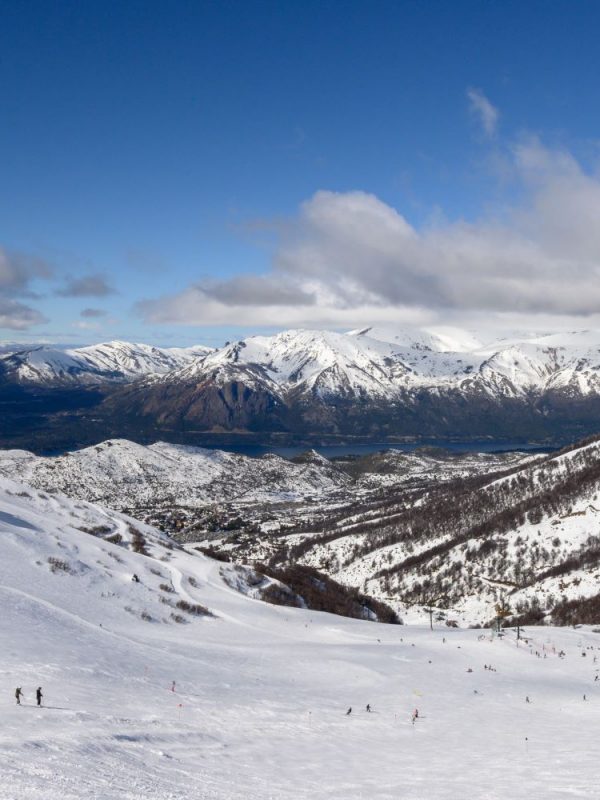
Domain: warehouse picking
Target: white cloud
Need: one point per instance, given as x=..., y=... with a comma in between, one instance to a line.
x=350, y=259
x=486, y=114
x=193, y=307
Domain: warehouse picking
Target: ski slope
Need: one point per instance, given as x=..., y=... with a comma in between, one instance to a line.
x=261, y=692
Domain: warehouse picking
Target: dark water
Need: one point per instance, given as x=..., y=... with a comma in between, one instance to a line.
x=339, y=450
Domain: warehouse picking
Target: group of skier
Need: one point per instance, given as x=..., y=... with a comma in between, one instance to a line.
x=368, y=708
x=414, y=715
x=38, y=695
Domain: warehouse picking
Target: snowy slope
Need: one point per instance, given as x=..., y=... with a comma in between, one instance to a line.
x=442, y=340
x=261, y=692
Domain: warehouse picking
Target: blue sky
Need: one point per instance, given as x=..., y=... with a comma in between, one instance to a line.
x=192, y=171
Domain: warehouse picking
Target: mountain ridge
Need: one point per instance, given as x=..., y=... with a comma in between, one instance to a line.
x=306, y=384
x=113, y=361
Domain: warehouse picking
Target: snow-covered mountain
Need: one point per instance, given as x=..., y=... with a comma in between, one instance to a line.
x=108, y=362
x=369, y=362
x=146, y=696
x=368, y=383
x=377, y=363
x=307, y=383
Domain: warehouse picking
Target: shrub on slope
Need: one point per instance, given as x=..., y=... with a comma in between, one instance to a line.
x=305, y=586
x=582, y=611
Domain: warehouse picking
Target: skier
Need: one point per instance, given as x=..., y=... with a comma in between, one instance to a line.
x=349, y=711
x=39, y=695
x=19, y=694
x=415, y=715
x=527, y=700
x=135, y=578
x=368, y=708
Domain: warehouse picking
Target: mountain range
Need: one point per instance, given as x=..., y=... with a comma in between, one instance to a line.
x=110, y=362
x=299, y=384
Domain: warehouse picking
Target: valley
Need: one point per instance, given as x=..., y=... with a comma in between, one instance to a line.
x=459, y=533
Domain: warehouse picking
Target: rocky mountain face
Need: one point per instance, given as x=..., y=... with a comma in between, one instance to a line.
x=367, y=384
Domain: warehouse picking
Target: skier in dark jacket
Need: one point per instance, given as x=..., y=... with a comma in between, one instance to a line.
x=39, y=695
x=19, y=694
x=349, y=711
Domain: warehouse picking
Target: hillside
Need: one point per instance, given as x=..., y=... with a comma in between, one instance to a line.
x=525, y=535
x=459, y=533
x=251, y=702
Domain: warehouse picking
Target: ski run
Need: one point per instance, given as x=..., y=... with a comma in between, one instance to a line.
x=183, y=685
